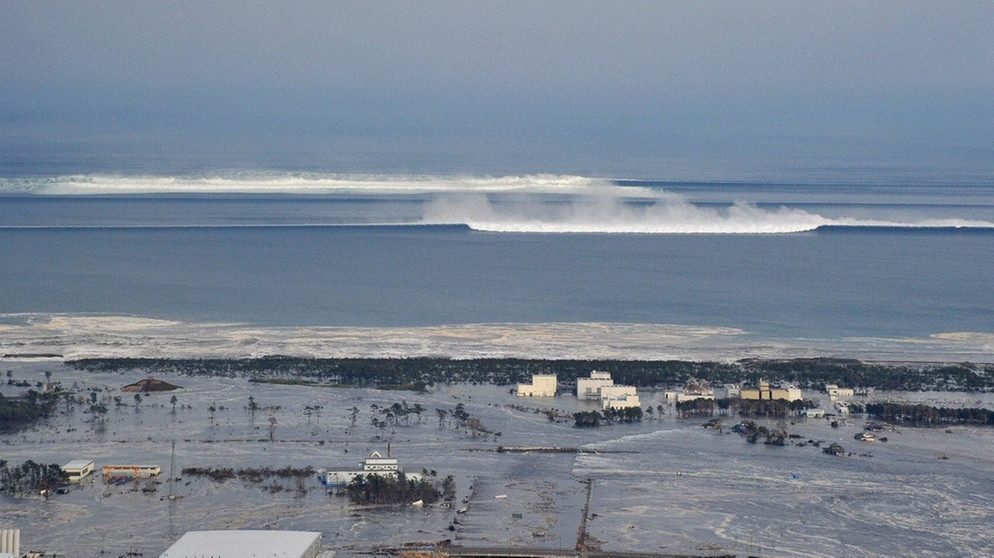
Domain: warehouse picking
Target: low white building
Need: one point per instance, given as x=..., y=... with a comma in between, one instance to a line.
x=543, y=385
x=375, y=464
x=590, y=388
x=727, y=391
x=241, y=543
x=621, y=401
x=78, y=469
x=834, y=392
x=692, y=390
x=619, y=397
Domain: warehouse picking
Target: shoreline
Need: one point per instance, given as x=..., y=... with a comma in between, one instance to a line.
x=75, y=336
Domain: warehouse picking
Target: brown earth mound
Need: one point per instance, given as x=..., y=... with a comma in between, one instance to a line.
x=149, y=384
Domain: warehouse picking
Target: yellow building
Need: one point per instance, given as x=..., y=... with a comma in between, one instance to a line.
x=78, y=469
x=766, y=392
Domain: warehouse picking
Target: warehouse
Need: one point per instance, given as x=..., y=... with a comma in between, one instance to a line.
x=78, y=469
x=239, y=544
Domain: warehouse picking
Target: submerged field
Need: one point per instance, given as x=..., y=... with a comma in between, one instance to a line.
x=663, y=485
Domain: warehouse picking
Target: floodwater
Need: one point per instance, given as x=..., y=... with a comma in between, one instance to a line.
x=664, y=485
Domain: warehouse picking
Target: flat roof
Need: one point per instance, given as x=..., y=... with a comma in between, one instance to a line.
x=78, y=464
x=242, y=543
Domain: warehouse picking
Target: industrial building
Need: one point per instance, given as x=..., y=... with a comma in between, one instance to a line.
x=242, y=543
x=78, y=469
x=692, y=391
x=835, y=392
x=10, y=542
x=590, y=388
x=133, y=471
x=375, y=464
x=619, y=397
x=766, y=392
x=543, y=385
x=600, y=387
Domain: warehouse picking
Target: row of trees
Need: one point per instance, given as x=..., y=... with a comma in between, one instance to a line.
x=30, y=477
x=386, y=372
x=778, y=408
x=17, y=413
x=249, y=474
x=752, y=432
x=924, y=415
x=586, y=419
x=399, y=489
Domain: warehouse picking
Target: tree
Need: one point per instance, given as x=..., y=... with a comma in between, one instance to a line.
x=173, y=401
x=441, y=416
x=460, y=413
x=586, y=419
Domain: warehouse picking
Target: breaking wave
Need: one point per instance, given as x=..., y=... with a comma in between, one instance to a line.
x=542, y=203
x=261, y=182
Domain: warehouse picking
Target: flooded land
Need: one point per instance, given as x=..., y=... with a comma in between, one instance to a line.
x=662, y=485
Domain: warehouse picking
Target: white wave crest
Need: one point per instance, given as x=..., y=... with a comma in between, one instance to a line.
x=294, y=183
x=609, y=212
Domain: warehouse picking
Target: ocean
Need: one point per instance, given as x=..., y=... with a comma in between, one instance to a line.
x=249, y=264
x=874, y=269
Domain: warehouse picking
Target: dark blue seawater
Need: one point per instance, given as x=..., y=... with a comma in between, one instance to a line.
x=157, y=257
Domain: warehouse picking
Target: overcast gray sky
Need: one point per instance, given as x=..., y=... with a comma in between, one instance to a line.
x=620, y=88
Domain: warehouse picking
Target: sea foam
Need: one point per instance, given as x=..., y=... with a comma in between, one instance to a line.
x=73, y=336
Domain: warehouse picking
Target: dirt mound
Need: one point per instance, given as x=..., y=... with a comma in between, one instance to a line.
x=149, y=384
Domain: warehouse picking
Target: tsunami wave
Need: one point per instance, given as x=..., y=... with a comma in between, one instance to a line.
x=542, y=203
x=261, y=182
x=604, y=213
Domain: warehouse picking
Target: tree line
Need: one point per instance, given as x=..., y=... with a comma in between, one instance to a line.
x=410, y=373
x=399, y=489
x=30, y=477
x=925, y=415
x=18, y=412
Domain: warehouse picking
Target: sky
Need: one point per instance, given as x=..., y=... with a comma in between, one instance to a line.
x=661, y=89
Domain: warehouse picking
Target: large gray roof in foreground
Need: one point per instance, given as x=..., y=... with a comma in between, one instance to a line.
x=243, y=544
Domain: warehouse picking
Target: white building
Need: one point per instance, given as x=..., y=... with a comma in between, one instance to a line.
x=10, y=542
x=375, y=464
x=621, y=401
x=727, y=391
x=590, y=388
x=619, y=397
x=78, y=469
x=543, y=385
x=834, y=392
x=243, y=543
x=692, y=390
